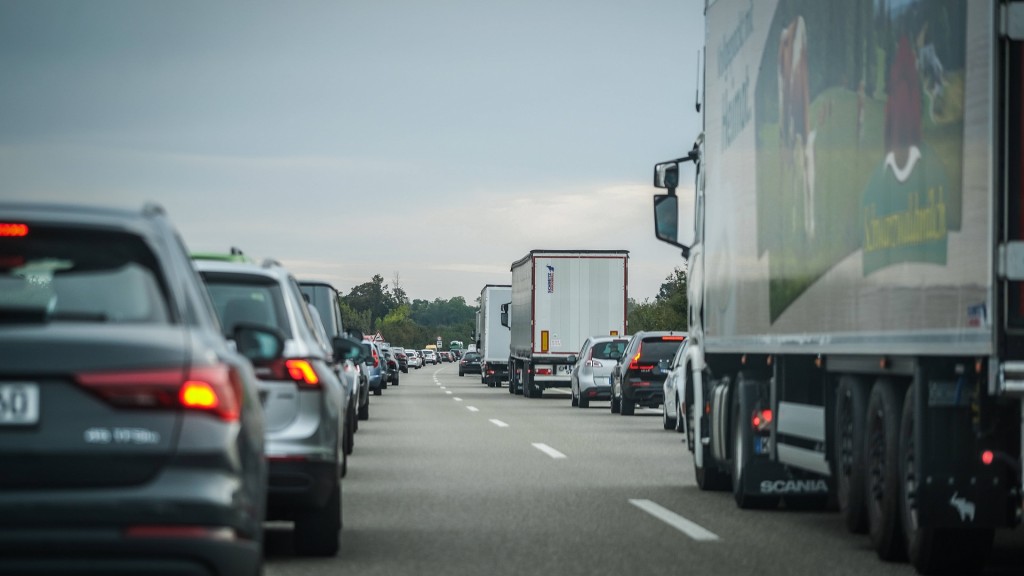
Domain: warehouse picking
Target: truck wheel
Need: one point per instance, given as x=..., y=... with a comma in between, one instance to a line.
x=742, y=452
x=883, y=467
x=850, y=418
x=934, y=550
x=528, y=383
x=627, y=406
x=708, y=477
x=316, y=531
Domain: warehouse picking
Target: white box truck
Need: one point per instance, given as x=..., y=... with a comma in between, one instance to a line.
x=855, y=242
x=492, y=339
x=559, y=299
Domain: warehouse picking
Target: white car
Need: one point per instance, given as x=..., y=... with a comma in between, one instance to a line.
x=429, y=356
x=413, y=358
x=672, y=417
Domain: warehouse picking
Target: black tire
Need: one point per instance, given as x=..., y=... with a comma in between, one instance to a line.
x=317, y=531
x=583, y=401
x=680, y=419
x=616, y=404
x=883, y=470
x=709, y=478
x=934, y=550
x=626, y=406
x=850, y=419
x=364, y=411
x=528, y=384
x=575, y=398
x=666, y=422
x=461, y=373
x=378, y=392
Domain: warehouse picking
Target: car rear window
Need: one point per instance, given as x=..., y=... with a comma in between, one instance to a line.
x=247, y=298
x=655, y=348
x=51, y=274
x=609, y=350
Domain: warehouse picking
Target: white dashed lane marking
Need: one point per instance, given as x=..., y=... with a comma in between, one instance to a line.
x=472, y=408
x=498, y=423
x=691, y=529
x=548, y=450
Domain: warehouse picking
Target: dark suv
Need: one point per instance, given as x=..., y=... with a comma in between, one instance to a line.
x=634, y=379
x=131, y=434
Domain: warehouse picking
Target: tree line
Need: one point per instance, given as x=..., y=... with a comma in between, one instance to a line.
x=375, y=306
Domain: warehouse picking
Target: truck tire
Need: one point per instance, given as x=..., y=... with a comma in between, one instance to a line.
x=627, y=407
x=934, y=550
x=882, y=459
x=850, y=419
x=317, y=530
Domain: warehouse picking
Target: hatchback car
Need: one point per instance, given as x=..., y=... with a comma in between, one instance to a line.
x=591, y=371
x=131, y=438
x=470, y=364
x=413, y=358
x=634, y=379
x=304, y=401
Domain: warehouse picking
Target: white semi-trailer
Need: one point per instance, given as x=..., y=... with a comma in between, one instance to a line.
x=492, y=337
x=855, y=242
x=559, y=298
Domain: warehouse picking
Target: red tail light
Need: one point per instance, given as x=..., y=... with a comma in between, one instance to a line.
x=987, y=457
x=215, y=389
x=634, y=364
x=543, y=371
x=761, y=419
x=13, y=229
x=376, y=359
x=299, y=370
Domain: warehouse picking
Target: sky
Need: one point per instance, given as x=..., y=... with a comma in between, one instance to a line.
x=432, y=142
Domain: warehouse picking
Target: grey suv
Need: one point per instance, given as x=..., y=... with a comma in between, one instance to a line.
x=131, y=438
x=303, y=399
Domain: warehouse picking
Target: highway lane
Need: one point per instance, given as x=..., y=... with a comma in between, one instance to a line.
x=452, y=477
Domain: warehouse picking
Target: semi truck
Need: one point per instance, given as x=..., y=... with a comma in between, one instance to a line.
x=854, y=235
x=492, y=337
x=559, y=298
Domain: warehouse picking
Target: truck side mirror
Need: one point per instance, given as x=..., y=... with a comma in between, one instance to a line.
x=666, y=221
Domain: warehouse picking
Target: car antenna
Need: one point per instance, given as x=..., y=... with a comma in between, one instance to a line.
x=696, y=96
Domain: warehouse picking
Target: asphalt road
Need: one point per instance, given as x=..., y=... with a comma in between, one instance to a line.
x=452, y=477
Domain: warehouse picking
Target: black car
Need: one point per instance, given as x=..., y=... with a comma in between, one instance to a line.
x=131, y=434
x=470, y=364
x=634, y=379
x=403, y=361
x=394, y=370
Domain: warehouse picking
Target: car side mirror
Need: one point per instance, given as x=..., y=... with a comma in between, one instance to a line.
x=346, y=348
x=257, y=342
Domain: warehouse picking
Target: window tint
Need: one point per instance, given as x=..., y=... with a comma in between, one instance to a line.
x=247, y=298
x=609, y=350
x=66, y=274
x=654, y=349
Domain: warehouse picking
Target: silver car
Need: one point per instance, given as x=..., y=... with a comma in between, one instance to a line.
x=593, y=367
x=672, y=417
x=304, y=401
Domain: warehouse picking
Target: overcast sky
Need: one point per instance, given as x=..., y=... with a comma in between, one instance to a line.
x=439, y=140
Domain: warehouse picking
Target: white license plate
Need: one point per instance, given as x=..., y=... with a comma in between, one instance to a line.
x=19, y=404
x=563, y=369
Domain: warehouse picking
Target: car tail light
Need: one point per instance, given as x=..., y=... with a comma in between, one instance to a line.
x=215, y=389
x=672, y=338
x=376, y=359
x=634, y=364
x=544, y=371
x=761, y=419
x=299, y=370
x=13, y=229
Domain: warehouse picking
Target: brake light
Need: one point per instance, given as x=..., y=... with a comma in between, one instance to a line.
x=761, y=419
x=302, y=371
x=634, y=364
x=13, y=229
x=987, y=457
x=376, y=360
x=672, y=338
x=544, y=371
x=215, y=389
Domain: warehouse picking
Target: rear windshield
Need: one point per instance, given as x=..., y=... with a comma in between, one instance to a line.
x=654, y=349
x=609, y=350
x=472, y=356
x=74, y=275
x=247, y=298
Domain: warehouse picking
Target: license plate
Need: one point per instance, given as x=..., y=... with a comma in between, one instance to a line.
x=19, y=404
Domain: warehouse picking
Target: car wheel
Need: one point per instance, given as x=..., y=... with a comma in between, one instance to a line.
x=575, y=399
x=461, y=373
x=317, y=531
x=666, y=422
x=364, y=411
x=583, y=401
x=627, y=406
x=615, y=404
x=396, y=380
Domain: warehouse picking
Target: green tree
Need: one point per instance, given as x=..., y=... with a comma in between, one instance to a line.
x=668, y=311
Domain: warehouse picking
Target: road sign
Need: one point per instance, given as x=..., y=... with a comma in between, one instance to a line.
x=440, y=343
